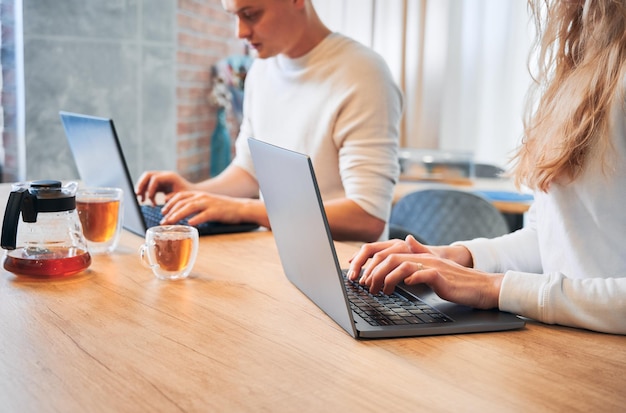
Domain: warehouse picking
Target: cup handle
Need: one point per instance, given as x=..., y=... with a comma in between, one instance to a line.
x=145, y=257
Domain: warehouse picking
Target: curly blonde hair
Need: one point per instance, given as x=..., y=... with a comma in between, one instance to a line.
x=581, y=51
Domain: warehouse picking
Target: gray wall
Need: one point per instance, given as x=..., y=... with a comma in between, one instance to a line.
x=108, y=58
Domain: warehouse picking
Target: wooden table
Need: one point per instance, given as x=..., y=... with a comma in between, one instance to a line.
x=237, y=336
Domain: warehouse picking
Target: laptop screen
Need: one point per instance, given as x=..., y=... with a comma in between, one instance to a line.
x=100, y=162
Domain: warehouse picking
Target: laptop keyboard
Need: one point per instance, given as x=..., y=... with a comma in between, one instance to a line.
x=152, y=216
x=394, y=309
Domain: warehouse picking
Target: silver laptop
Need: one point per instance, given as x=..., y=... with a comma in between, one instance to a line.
x=100, y=162
x=298, y=220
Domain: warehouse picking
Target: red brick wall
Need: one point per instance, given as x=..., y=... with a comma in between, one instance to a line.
x=206, y=34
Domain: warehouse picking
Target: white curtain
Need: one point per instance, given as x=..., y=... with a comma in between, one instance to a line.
x=462, y=65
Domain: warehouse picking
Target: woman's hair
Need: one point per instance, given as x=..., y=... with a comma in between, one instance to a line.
x=581, y=53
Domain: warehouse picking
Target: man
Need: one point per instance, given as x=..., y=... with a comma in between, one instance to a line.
x=315, y=92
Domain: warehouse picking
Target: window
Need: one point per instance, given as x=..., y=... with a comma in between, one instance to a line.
x=462, y=65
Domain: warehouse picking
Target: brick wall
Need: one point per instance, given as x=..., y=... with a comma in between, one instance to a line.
x=205, y=35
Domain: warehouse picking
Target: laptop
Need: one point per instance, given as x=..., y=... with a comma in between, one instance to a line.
x=100, y=162
x=307, y=252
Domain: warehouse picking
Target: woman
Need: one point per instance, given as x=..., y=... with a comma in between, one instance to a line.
x=568, y=265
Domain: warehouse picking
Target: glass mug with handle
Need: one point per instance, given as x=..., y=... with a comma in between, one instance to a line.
x=100, y=213
x=170, y=251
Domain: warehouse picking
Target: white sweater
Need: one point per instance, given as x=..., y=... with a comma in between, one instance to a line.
x=568, y=264
x=339, y=105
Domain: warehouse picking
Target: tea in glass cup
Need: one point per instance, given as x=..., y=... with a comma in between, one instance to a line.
x=170, y=250
x=100, y=212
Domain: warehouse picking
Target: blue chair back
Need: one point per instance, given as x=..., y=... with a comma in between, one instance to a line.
x=442, y=216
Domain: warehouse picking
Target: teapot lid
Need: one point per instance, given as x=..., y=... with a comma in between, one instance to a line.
x=52, y=196
x=49, y=196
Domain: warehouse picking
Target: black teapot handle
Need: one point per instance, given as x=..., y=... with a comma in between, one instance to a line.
x=11, y=218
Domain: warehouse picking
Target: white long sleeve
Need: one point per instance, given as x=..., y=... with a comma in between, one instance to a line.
x=593, y=303
x=339, y=105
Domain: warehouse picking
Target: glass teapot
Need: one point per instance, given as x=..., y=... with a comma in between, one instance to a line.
x=49, y=243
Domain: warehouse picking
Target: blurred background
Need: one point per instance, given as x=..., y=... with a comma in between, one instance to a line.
x=150, y=65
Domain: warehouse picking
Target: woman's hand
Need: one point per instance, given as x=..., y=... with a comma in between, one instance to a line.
x=377, y=251
x=392, y=262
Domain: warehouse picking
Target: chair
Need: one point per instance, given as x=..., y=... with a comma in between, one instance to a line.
x=441, y=216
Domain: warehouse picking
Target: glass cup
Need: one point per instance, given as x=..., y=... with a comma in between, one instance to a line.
x=170, y=251
x=100, y=213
